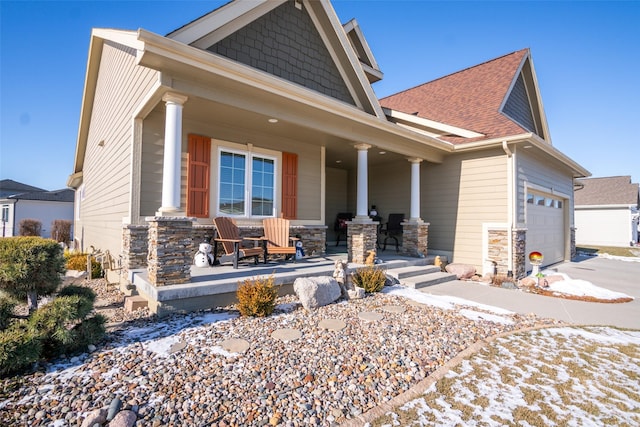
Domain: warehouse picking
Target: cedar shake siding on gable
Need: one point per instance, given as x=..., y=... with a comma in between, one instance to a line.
x=121, y=86
x=286, y=44
x=518, y=107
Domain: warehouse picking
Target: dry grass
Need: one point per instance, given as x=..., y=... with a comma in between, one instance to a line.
x=535, y=378
x=611, y=250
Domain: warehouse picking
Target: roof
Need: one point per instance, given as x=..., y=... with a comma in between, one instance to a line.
x=63, y=195
x=9, y=187
x=613, y=190
x=470, y=99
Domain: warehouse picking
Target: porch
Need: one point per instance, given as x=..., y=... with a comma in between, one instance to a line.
x=216, y=286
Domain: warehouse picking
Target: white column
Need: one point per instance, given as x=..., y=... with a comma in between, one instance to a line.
x=171, y=175
x=415, y=190
x=362, y=185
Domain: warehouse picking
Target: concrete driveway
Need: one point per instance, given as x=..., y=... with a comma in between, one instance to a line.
x=612, y=274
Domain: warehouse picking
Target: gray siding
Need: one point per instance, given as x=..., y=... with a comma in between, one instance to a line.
x=285, y=43
x=120, y=87
x=543, y=171
x=518, y=106
x=459, y=196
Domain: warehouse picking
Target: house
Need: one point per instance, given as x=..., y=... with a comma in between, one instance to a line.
x=21, y=201
x=266, y=108
x=606, y=211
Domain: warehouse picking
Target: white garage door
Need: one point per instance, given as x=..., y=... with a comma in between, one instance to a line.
x=545, y=227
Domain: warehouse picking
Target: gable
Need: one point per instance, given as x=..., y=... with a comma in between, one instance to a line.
x=517, y=106
x=284, y=42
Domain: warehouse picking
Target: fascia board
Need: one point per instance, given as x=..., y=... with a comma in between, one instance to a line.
x=579, y=171
x=98, y=36
x=204, y=25
x=217, y=66
x=426, y=123
x=355, y=27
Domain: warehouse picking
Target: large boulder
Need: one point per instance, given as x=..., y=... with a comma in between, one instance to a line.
x=462, y=271
x=314, y=292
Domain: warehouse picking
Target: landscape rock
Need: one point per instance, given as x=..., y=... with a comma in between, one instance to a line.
x=314, y=292
x=98, y=416
x=462, y=271
x=124, y=418
x=356, y=293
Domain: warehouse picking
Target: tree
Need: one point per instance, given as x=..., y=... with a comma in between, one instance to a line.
x=30, y=267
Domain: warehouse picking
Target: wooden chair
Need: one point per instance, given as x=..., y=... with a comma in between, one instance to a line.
x=393, y=229
x=340, y=226
x=276, y=237
x=229, y=235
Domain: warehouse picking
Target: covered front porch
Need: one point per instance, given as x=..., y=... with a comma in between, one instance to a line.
x=215, y=286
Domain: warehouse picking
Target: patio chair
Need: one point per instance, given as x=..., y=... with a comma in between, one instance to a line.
x=393, y=229
x=340, y=226
x=276, y=237
x=228, y=234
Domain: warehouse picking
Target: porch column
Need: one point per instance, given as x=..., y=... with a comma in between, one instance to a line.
x=363, y=185
x=172, y=155
x=415, y=190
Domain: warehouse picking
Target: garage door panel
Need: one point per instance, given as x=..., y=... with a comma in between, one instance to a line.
x=546, y=228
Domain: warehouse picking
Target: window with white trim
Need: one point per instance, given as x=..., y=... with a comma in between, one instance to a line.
x=246, y=184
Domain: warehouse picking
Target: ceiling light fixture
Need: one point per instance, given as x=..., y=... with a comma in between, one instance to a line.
x=273, y=120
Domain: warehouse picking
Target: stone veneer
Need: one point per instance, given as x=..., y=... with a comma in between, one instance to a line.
x=574, y=251
x=415, y=239
x=136, y=239
x=361, y=238
x=135, y=248
x=170, y=255
x=519, y=242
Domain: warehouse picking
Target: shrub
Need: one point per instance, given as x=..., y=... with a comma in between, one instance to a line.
x=61, y=230
x=19, y=348
x=6, y=311
x=257, y=297
x=372, y=279
x=30, y=227
x=30, y=267
x=78, y=261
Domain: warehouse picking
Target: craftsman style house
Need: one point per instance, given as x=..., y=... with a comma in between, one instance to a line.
x=266, y=108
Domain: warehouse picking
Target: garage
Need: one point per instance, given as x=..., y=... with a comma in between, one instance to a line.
x=545, y=227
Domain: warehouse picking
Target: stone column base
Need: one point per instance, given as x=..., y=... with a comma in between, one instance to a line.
x=361, y=238
x=415, y=239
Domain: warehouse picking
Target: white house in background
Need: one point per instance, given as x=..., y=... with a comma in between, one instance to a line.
x=606, y=211
x=20, y=201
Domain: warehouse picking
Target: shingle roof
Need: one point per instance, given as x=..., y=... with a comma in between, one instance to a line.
x=614, y=190
x=469, y=99
x=9, y=187
x=64, y=195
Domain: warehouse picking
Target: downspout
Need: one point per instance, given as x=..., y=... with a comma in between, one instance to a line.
x=510, y=203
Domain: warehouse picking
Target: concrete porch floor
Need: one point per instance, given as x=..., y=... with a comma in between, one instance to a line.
x=212, y=287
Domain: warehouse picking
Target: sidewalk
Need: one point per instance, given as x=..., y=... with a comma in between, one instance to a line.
x=612, y=274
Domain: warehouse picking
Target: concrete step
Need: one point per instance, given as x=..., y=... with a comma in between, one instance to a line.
x=429, y=279
x=412, y=270
x=134, y=302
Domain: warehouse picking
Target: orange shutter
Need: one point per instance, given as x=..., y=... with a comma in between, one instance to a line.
x=198, y=161
x=289, y=185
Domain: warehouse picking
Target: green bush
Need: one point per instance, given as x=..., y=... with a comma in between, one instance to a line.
x=6, y=311
x=372, y=279
x=257, y=297
x=19, y=348
x=30, y=267
x=78, y=261
x=59, y=327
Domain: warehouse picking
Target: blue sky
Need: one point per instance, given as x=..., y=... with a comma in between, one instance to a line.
x=586, y=56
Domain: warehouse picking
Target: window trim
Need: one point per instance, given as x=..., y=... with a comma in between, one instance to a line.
x=250, y=153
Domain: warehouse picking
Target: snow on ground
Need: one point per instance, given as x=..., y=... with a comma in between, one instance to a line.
x=580, y=287
x=557, y=376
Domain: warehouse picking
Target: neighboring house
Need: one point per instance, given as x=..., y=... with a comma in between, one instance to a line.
x=606, y=211
x=20, y=201
x=265, y=108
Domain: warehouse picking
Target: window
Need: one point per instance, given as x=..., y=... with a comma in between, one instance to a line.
x=5, y=213
x=246, y=184
x=530, y=198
